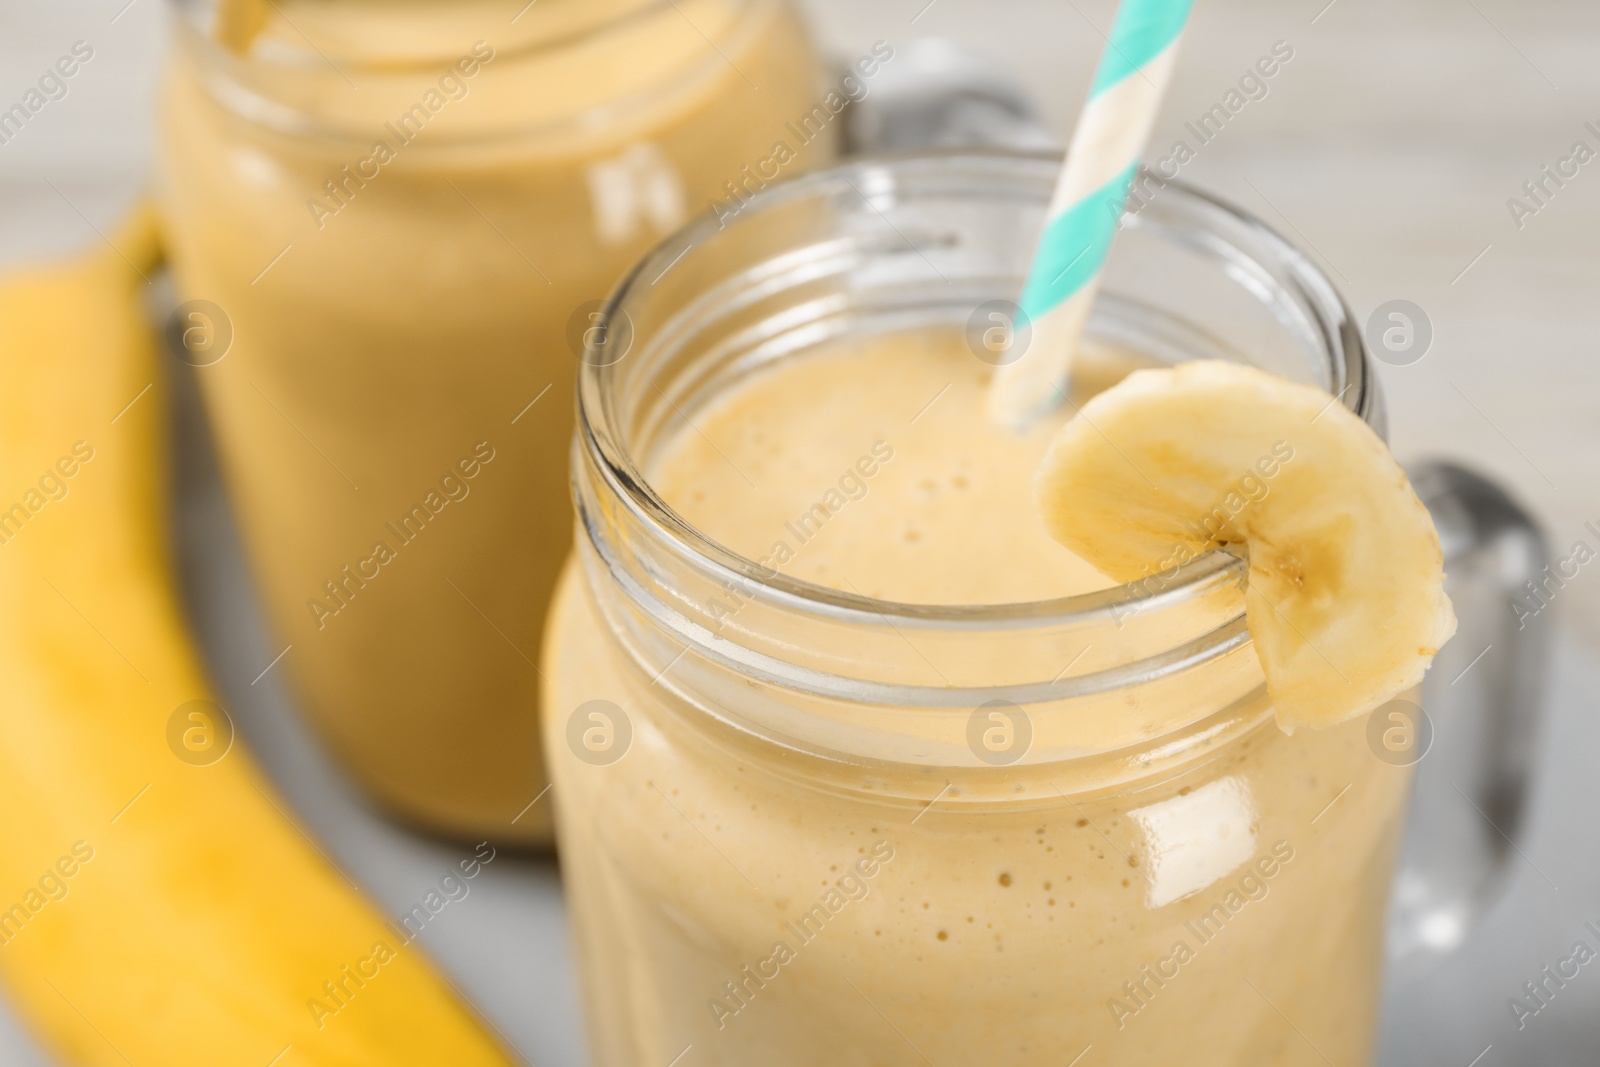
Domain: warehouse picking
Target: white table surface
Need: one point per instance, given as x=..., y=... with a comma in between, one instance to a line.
x=1387, y=147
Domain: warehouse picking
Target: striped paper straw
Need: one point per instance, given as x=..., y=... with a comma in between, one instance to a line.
x=1089, y=200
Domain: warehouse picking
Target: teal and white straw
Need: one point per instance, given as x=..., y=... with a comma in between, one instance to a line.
x=1101, y=165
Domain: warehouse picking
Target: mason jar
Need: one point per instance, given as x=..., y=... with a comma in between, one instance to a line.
x=800, y=825
x=391, y=226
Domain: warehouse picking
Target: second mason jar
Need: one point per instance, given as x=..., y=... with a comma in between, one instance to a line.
x=391, y=225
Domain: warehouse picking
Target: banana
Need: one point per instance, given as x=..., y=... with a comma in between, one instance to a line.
x=1345, y=597
x=153, y=909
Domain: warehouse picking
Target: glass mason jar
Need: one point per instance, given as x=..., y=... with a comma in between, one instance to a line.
x=789, y=837
x=395, y=220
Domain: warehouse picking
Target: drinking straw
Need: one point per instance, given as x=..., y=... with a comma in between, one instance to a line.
x=1087, y=207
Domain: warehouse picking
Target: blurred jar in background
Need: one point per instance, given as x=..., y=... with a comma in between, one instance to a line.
x=398, y=214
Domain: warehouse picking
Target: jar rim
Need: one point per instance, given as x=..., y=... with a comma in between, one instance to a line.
x=600, y=439
x=193, y=13
x=244, y=101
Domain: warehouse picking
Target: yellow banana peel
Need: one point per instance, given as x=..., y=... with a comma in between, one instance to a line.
x=154, y=910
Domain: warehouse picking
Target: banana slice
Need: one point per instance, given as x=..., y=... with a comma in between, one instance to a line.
x=1345, y=602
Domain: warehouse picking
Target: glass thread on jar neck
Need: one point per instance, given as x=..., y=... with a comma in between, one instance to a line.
x=267, y=85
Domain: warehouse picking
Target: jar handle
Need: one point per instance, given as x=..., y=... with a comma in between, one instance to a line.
x=1482, y=701
x=935, y=94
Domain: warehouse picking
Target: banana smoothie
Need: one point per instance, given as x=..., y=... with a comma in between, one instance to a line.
x=771, y=868
x=400, y=219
